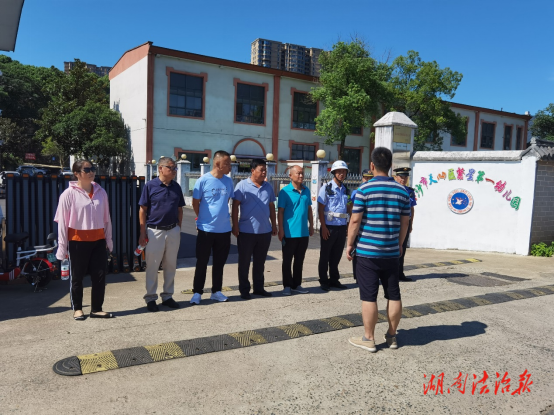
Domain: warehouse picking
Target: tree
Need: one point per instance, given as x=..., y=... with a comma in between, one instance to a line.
x=542, y=125
x=15, y=143
x=419, y=90
x=351, y=87
x=78, y=120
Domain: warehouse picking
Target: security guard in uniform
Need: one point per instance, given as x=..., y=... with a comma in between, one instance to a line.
x=334, y=208
x=402, y=176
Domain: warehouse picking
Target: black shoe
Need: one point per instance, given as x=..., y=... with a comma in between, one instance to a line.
x=338, y=285
x=325, y=287
x=106, y=315
x=245, y=296
x=170, y=303
x=404, y=279
x=152, y=307
x=263, y=292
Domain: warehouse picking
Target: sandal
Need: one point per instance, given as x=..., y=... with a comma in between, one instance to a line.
x=106, y=316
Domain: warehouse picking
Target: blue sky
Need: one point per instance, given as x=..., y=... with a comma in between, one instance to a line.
x=503, y=48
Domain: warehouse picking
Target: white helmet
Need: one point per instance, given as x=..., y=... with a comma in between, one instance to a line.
x=339, y=164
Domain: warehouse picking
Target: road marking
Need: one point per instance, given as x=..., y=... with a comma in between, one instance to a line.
x=315, y=279
x=111, y=360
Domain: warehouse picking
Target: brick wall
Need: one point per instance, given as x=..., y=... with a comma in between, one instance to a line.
x=542, y=228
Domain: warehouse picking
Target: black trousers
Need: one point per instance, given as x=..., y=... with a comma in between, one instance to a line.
x=331, y=253
x=217, y=245
x=404, y=248
x=88, y=257
x=293, y=248
x=250, y=245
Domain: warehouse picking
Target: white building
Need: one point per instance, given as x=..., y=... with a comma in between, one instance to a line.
x=177, y=102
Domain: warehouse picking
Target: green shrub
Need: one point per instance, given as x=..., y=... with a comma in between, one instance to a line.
x=542, y=250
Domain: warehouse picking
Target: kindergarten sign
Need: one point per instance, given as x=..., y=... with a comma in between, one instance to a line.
x=460, y=200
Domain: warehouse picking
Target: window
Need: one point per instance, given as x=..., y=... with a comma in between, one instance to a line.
x=302, y=152
x=356, y=130
x=353, y=158
x=185, y=95
x=507, y=138
x=519, y=145
x=250, y=104
x=304, y=112
x=487, y=135
x=194, y=158
x=458, y=141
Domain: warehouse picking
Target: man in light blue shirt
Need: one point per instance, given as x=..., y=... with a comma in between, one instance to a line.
x=256, y=200
x=295, y=213
x=334, y=207
x=210, y=200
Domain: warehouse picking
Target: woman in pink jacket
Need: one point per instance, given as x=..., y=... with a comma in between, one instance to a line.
x=84, y=232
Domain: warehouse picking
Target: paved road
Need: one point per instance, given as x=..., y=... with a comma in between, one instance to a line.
x=475, y=327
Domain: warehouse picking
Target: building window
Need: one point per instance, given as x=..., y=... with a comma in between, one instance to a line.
x=507, y=137
x=194, y=158
x=302, y=152
x=353, y=158
x=356, y=131
x=185, y=95
x=250, y=104
x=519, y=145
x=487, y=135
x=304, y=112
x=457, y=141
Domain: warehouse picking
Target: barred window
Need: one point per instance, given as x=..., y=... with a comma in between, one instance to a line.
x=185, y=95
x=302, y=152
x=304, y=112
x=250, y=104
x=487, y=135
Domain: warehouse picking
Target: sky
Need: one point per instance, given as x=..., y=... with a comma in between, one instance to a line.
x=503, y=48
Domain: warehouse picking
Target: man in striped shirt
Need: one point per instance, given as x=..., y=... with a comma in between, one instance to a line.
x=380, y=220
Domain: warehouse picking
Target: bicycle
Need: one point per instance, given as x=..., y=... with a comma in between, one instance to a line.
x=37, y=271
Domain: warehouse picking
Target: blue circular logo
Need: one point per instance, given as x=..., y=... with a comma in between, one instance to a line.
x=460, y=201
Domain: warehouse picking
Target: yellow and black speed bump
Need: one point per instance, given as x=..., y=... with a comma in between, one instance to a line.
x=110, y=360
x=315, y=279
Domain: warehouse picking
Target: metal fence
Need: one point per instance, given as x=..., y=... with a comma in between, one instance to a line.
x=31, y=203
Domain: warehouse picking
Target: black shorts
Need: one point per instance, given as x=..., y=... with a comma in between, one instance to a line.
x=370, y=271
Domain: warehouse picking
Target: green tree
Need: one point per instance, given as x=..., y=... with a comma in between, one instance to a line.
x=351, y=88
x=419, y=90
x=542, y=125
x=14, y=144
x=78, y=120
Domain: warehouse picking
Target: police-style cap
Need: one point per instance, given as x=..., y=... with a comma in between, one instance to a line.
x=402, y=171
x=367, y=173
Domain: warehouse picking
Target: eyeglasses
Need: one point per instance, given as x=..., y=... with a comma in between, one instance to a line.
x=169, y=167
x=88, y=170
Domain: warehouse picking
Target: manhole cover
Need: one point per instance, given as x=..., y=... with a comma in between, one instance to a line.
x=477, y=280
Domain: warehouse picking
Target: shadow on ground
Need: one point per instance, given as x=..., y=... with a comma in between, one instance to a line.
x=424, y=335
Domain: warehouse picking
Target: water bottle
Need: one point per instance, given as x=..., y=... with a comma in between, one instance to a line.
x=138, y=250
x=65, y=269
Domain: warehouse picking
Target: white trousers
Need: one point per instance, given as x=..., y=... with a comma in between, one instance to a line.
x=162, y=248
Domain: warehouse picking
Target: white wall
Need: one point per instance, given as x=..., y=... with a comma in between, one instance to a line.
x=128, y=96
x=492, y=224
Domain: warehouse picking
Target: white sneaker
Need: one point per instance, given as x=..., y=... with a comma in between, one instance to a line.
x=287, y=292
x=196, y=298
x=300, y=289
x=220, y=297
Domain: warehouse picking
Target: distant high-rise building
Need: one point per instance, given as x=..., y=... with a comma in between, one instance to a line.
x=285, y=56
x=98, y=70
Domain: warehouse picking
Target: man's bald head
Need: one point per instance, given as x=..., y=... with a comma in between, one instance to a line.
x=296, y=174
x=295, y=168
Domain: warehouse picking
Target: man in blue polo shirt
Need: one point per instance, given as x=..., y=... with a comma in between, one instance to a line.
x=160, y=215
x=256, y=200
x=295, y=213
x=210, y=200
x=380, y=219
